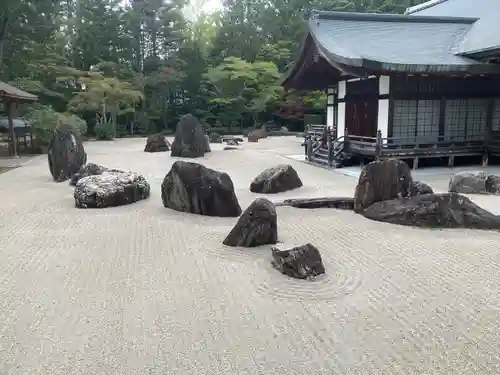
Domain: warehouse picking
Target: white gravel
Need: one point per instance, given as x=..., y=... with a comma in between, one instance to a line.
x=141, y=289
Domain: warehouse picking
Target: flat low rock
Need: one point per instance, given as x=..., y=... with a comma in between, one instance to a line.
x=66, y=154
x=257, y=226
x=276, y=179
x=301, y=262
x=110, y=189
x=327, y=202
x=157, y=143
x=90, y=169
x=449, y=210
x=474, y=183
x=380, y=181
x=194, y=188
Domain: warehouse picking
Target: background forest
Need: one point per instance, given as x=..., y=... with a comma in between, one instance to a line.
x=118, y=67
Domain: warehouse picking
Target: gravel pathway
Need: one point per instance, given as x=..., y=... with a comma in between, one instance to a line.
x=141, y=289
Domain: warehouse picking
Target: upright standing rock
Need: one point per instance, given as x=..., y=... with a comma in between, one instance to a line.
x=191, y=187
x=276, y=179
x=189, y=139
x=257, y=226
x=382, y=181
x=66, y=153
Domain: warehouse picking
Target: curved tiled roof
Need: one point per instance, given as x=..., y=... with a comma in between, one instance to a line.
x=484, y=35
x=419, y=44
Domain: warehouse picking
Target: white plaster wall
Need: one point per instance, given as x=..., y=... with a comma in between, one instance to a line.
x=383, y=106
x=341, y=120
x=330, y=114
x=341, y=110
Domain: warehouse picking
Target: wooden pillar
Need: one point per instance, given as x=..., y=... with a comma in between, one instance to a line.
x=309, y=148
x=488, y=131
x=8, y=107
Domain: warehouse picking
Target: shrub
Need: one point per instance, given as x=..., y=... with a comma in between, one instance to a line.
x=44, y=120
x=104, y=131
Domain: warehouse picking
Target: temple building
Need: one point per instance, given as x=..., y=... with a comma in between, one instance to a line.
x=422, y=84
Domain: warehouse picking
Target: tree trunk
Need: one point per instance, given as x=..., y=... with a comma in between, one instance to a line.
x=3, y=38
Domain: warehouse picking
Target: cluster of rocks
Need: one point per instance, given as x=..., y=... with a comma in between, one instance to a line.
x=188, y=187
x=95, y=186
x=474, y=183
x=387, y=192
x=193, y=188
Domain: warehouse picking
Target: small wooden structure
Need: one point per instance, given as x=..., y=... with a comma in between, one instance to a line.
x=419, y=85
x=10, y=96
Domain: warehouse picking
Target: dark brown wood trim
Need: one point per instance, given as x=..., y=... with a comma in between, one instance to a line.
x=438, y=96
x=390, y=125
x=442, y=118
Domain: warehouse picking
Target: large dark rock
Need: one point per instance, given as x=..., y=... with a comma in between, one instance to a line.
x=381, y=181
x=189, y=139
x=110, y=189
x=66, y=153
x=258, y=225
x=191, y=187
x=420, y=188
x=474, y=183
x=433, y=210
x=276, y=180
x=300, y=262
x=207, y=144
x=157, y=143
x=312, y=203
x=90, y=169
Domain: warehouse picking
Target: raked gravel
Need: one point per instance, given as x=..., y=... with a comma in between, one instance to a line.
x=141, y=289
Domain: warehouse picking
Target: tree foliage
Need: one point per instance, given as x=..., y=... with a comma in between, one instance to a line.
x=128, y=66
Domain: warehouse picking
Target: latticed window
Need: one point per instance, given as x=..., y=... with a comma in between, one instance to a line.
x=465, y=119
x=428, y=119
x=416, y=118
x=495, y=126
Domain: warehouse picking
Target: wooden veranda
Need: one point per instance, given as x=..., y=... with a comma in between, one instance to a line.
x=10, y=96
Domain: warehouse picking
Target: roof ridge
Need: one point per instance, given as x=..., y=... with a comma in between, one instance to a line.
x=384, y=17
x=426, y=5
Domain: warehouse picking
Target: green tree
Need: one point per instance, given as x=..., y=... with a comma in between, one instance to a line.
x=107, y=97
x=241, y=87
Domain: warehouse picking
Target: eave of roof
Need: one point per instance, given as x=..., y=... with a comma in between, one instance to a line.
x=382, y=17
x=11, y=93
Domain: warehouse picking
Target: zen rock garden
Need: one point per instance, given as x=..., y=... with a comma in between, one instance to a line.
x=385, y=192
